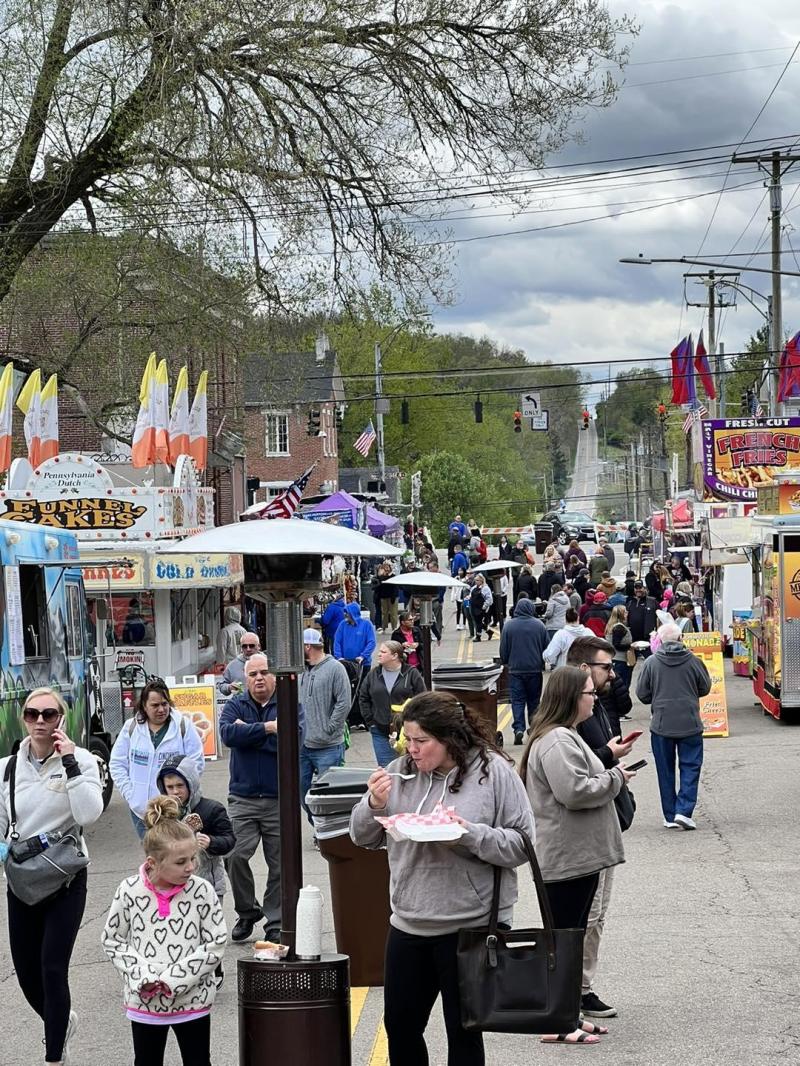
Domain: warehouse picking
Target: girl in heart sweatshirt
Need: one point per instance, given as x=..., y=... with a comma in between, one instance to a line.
x=165, y=933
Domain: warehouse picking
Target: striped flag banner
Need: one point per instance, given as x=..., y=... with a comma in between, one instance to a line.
x=284, y=505
x=693, y=416
x=366, y=440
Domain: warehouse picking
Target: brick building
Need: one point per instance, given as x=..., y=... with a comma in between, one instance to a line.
x=278, y=445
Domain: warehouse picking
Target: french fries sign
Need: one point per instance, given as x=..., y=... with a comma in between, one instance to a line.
x=740, y=455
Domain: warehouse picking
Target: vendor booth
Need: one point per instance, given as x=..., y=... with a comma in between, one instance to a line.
x=356, y=514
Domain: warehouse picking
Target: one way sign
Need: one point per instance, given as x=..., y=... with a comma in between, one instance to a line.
x=530, y=404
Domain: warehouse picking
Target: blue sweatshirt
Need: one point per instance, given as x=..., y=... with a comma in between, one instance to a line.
x=254, y=753
x=352, y=641
x=459, y=560
x=332, y=617
x=523, y=640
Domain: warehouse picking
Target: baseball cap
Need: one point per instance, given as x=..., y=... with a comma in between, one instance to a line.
x=600, y=597
x=638, y=584
x=312, y=636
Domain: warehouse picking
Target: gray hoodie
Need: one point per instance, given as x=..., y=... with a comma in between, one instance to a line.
x=325, y=695
x=572, y=795
x=440, y=888
x=672, y=681
x=555, y=617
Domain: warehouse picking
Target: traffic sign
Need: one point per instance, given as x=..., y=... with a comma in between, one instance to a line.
x=541, y=421
x=530, y=404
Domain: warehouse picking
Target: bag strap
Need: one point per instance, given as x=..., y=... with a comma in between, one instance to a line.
x=541, y=895
x=10, y=778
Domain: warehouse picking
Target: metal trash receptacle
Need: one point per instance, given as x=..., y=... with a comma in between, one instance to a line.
x=542, y=536
x=357, y=875
x=475, y=685
x=359, y=880
x=294, y=1011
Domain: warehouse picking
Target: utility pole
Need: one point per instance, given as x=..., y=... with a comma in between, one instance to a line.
x=381, y=406
x=713, y=304
x=721, y=379
x=775, y=164
x=633, y=477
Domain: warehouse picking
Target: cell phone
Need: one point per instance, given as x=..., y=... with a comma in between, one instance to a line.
x=636, y=766
x=632, y=736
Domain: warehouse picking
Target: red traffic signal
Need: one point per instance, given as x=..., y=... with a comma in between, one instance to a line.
x=662, y=412
x=586, y=418
x=517, y=421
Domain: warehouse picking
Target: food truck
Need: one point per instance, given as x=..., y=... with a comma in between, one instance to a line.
x=148, y=613
x=45, y=637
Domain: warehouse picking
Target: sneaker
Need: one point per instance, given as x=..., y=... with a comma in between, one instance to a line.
x=273, y=933
x=490, y=633
x=519, y=738
x=242, y=930
x=593, y=1007
x=684, y=822
x=72, y=1026
x=315, y=843
x=670, y=825
x=476, y=640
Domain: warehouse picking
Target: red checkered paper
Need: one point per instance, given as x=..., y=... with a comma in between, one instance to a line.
x=440, y=824
x=439, y=816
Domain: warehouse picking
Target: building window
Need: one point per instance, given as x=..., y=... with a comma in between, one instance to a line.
x=277, y=435
x=274, y=488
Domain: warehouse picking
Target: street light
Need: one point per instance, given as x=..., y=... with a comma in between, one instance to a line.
x=686, y=260
x=283, y=565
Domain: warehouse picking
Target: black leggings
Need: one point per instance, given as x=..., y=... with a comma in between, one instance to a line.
x=418, y=968
x=194, y=1041
x=41, y=937
x=571, y=902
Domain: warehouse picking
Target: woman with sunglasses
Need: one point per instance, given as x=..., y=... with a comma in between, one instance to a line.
x=572, y=796
x=56, y=787
x=152, y=737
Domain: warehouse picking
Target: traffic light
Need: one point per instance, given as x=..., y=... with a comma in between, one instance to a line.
x=339, y=417
x=517, y=421
x=586, y=419
x=404, y=417
x=749, y=402
x=662, y=413
x=314, y=422
x=478, y=408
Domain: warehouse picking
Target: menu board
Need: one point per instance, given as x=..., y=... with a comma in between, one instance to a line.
x=198, y=703
x=713, y=707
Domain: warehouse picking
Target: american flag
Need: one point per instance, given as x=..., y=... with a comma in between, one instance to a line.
x=693, y=416
x=759, y=411
x=284, y=505
x=366, y=440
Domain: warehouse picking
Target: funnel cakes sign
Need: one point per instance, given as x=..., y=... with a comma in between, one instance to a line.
x=72, y=492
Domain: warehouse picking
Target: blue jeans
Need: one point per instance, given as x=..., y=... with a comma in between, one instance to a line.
x=623, y=671
x=384, y=752
x=138, y=825
x=524, y=689
x=317, y=761
x=689, y=752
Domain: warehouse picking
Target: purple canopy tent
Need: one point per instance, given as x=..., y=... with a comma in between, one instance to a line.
x=378, y=523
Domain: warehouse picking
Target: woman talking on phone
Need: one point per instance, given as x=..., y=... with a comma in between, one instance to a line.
x=56, y=786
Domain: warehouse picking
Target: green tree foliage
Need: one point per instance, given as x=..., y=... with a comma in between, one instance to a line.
x=511, y=466
x=748, y=371
x=326, y=131
x=451, y=486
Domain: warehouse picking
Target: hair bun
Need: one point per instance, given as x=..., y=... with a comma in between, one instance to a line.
x=160, y=809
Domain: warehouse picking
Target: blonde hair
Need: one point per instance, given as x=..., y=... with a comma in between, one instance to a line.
x=618, y=617
x=45, y=690
x=162, y=819
x=394, y=647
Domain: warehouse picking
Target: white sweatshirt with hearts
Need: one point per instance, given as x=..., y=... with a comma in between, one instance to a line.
x=177, y=938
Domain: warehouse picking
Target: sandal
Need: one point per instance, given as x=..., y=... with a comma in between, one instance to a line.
x=591, y=1028
x=578, y=1036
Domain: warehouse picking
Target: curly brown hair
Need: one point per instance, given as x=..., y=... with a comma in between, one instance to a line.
x=457, y=727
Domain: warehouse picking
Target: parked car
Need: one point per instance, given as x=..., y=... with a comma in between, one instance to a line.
x=571, y=524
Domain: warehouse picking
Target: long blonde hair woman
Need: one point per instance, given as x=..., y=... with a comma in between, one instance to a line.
x=618, y=634
x=56, y=787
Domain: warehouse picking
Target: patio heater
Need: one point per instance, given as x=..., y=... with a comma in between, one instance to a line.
x=426, y=585
x=295, y=1009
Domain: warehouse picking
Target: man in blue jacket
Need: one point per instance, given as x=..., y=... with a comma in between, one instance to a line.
x=249, y=727
x=355, y=638
x=522, y=645
x=460, y=561
x=332, y=618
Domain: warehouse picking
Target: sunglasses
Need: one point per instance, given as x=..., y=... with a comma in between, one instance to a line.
x=247, y=647
x=47, y=714
x=608, y=667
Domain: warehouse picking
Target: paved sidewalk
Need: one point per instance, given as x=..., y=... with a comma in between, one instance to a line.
x=700, y=951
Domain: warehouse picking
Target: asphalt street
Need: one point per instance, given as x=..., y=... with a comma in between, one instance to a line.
x=700, y=949
x=583, y=487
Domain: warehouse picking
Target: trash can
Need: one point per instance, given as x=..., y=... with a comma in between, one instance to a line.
x=475, y=684
x=295, y=1011
x=359, y=877
x=542, y=536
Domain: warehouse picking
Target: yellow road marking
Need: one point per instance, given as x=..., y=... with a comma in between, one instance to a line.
x=470, y=649
x=358, y=997
x=504, y=719
x=379, y=1056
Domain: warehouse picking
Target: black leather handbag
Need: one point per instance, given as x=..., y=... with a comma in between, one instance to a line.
x=520, y=980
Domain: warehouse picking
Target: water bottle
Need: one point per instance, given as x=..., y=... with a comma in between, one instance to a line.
x=308, y=924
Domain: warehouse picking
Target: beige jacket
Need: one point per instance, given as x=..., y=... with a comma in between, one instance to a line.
x=572, y=795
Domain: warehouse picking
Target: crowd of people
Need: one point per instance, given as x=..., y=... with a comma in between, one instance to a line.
x=570, y=793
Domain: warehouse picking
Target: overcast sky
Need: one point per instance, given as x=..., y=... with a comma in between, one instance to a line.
x=561, y=293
